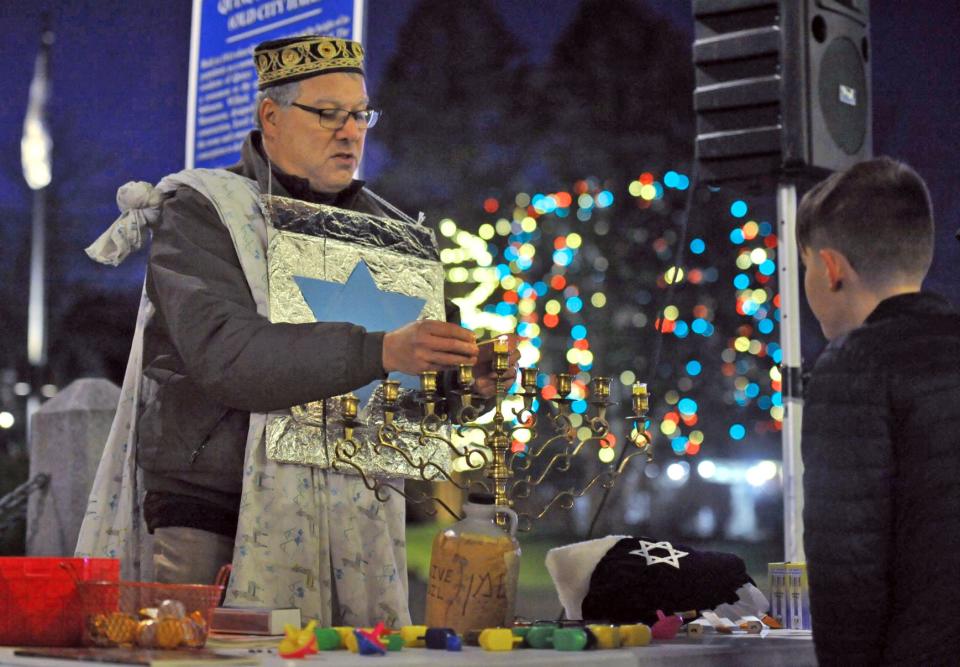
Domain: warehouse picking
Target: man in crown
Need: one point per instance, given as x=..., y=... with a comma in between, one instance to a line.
x=213, y=365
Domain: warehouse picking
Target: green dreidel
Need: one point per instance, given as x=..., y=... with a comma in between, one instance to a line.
x=540, y=636
x=394, y=642
x=570, y=639
x=328, y=639
x=561, y=639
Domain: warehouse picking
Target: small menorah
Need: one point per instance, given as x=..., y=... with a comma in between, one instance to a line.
x=511, y=476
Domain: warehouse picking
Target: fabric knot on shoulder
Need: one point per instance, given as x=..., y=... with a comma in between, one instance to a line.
x=139, y=204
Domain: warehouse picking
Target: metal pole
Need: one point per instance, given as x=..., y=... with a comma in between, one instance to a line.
x=790, y=364
x=37, y=308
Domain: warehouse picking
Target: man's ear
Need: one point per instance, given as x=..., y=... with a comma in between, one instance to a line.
x=837, y=266
x=268, y=116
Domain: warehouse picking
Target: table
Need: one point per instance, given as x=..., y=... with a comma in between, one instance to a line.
x=787, y=648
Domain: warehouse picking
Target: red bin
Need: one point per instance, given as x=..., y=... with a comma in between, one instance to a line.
x=39, y=599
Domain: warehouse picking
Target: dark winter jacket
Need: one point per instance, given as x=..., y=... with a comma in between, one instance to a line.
x=882, y=488
x=214, y=359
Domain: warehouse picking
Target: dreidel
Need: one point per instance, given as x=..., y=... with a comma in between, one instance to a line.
x=347, y=639
x=414, y=636
x=561, y=639
x=442, y=638
x=499, y=639
x=328, y=639
x=636, y=634
x=608, y=636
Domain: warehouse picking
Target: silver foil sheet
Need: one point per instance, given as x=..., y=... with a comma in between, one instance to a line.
x=326, y=243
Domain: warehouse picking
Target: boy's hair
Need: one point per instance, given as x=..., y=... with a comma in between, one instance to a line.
x=877, y=213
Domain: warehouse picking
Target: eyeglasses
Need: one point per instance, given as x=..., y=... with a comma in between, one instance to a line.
x=334, y=119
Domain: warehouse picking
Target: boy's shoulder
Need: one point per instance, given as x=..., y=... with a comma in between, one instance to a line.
x=902, y=330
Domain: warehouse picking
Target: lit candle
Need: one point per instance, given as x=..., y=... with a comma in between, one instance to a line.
x=501, y=344
x=641, y=400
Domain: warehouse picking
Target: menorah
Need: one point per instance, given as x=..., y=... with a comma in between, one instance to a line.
x=510, y=476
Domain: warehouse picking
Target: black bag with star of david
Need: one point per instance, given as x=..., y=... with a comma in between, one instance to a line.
x=626, y=588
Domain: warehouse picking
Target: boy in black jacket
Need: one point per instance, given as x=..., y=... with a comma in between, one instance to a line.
x=882, y=475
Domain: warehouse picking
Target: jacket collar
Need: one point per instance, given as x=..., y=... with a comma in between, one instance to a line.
x=914, y=303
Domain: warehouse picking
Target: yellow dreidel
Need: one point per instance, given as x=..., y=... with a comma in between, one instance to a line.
x=637, y=634
x=608, y=636
x=499, y=639
x=347, y=638
x=414, y=636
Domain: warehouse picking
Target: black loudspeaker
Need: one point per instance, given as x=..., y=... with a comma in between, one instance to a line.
x=782, y=87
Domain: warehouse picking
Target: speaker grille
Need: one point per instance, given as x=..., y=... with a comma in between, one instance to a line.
x=843, y=94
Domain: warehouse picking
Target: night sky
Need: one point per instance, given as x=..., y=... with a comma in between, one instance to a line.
x=120, y=84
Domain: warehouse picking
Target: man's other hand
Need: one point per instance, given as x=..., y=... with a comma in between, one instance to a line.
x=428, y=345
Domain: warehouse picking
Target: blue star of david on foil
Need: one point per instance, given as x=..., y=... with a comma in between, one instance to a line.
x=361, y=302
x=673, y=557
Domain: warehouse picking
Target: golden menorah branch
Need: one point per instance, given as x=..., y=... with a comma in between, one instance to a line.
x=494, y=459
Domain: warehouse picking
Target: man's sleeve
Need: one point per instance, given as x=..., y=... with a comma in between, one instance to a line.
x=848, y=506
x=238, y=356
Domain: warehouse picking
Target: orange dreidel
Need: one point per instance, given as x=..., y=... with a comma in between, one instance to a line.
x=608, y=636
x=499, y=639
x=636, y=634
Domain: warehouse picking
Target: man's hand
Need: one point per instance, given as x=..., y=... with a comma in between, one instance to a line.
x=485, y=378
x=428, y=345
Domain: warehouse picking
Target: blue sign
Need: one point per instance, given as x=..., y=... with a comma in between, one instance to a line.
x=223, y=80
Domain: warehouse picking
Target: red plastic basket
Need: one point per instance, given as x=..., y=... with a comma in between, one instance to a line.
x=122, y=613
x=39, y=598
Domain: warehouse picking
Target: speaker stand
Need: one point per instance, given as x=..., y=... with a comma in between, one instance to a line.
x=788, y=276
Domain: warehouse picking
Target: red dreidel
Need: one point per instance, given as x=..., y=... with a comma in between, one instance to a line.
x=370, y=642
x=667, y=626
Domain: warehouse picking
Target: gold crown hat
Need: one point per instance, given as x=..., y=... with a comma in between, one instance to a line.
x=295, y=58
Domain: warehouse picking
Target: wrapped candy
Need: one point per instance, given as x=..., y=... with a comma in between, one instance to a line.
x=147, y=633
x=121, y=628
x=171, y=609
x=170, y=633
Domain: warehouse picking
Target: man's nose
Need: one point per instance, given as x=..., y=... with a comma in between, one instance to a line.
x=350, y=130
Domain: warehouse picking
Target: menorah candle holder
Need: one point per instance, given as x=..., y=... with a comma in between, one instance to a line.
x=512, y=476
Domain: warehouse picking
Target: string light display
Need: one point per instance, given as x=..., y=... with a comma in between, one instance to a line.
x=534, y=265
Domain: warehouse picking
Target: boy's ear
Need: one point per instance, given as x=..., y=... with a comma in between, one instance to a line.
x=837, y=266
